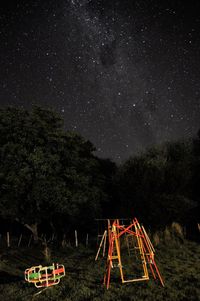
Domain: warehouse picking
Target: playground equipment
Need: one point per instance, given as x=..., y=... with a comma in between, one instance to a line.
x=45, y=276
x=137, y=241
x=102, y=243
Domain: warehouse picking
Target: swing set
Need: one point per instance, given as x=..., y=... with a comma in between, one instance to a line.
x=137, y=240
x=45, y=276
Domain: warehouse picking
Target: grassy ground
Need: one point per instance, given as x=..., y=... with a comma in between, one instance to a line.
x=179, y=263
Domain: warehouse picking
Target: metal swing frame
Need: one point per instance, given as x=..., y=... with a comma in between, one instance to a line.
x=144, y=245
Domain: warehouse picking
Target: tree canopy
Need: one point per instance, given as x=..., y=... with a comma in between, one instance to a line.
x=46, y=172
x=157, y=184
x=50, y=175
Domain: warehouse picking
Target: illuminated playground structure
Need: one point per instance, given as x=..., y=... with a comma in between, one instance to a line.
x=115, y=241
x=45, y=276
x=138, y=242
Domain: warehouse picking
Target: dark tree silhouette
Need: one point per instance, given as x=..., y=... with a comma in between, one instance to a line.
x=46, y=172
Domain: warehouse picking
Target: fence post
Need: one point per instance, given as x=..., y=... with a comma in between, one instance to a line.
x=8, y=239
x=87, y=240
x=19, y=241
x=76, y=239
x=30, y=240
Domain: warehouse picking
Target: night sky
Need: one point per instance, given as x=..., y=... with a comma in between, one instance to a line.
x=125, y=74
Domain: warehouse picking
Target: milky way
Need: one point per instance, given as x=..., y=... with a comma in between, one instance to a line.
x=124, y=74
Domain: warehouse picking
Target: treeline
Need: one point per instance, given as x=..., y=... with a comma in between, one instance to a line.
x=51, y=178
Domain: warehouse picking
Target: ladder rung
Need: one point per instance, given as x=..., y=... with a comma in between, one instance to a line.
x=113, y=257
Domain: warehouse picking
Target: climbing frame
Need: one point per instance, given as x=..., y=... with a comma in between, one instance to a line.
x=142, y=245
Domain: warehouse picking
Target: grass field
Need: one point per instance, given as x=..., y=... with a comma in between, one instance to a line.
x=178, y=261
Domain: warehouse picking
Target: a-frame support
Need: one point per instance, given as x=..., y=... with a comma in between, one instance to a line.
x=144, y=245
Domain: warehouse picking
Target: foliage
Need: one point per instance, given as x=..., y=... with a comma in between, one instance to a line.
x=196, y=169
x=45, y=169
x=157, y=184
x=54, y=173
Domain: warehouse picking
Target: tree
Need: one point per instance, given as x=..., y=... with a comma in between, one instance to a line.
x=45, y=171
x=156, y=185
x=140, y=180
x=196, y=177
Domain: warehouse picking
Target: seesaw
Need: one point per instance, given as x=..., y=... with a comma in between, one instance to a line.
x=45, y=276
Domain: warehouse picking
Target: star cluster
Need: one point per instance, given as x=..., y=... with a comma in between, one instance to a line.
x=124, y=73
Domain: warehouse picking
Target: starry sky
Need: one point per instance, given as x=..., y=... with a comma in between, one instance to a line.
x=125, y=74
